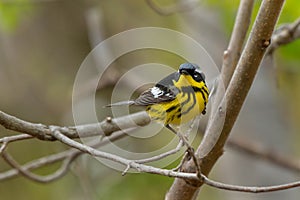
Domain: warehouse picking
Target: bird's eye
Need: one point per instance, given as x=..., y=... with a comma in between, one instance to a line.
x=197, y=77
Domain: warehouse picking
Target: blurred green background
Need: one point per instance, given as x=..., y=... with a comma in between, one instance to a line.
x=44, y=42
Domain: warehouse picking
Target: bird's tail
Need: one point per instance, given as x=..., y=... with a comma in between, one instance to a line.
x=121, y=103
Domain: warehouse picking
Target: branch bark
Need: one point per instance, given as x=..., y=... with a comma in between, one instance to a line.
x=284, y=35
x=237, y=40
x=105, y=128
x=236, y=93
x=69, y=156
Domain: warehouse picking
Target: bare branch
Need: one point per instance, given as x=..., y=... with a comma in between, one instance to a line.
x=37, y=163
x=244, y=74
x=120, y=160
x=260, y=151
x=149, y=169
x=284, y=35
x=163, y=155
x=15, y=138
x=37, y=178
x=237, y=39
x=230, y=59
x=8, y=139
x=69, y=155
x=105, y=127
x=236, y=93
x=238, y=88
x=238, y=188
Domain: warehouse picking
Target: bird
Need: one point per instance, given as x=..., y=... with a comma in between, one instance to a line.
x=176, y=99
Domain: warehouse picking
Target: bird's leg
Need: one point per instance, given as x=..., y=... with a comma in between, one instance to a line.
x=190, y=150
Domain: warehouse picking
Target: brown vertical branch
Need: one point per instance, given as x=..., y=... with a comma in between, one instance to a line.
x=237, y=39
x=230, y=60
x=236, y=93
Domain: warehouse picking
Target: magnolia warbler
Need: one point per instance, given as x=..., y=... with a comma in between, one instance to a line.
x=176, y=99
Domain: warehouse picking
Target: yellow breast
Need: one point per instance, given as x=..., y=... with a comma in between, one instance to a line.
x=190, y=102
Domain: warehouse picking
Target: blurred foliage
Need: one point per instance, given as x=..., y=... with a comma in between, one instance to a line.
x=146, y=186
x=11, y=12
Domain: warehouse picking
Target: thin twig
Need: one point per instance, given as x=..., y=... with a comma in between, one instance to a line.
x=161, y=156
x=14, y=138
x=285, y=34
x=183, y=175
x=139, y=167
x=38, y=178
x=35, y=164
x=72, y=154
x=238, y=188
x=259, y=150
x=65, y=155
x=8, y=139
x=3, y=147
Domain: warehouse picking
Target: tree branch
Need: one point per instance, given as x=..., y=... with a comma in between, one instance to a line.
x=69, y=155
x=163, y=155
x=37, y=178
x=230, y=59
x=237, y=39
x=153, y=170
x=132, y=164
x=284, y=35
x=106, y=127
x=6, y=140
x=235, y=95
x=238, y=188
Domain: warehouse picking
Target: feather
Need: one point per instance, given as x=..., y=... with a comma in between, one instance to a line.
x=121, y=103
x=156, y=94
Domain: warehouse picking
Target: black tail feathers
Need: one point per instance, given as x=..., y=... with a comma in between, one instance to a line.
x=121, y=103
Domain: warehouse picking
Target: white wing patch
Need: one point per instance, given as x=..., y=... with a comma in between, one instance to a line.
x=156, y=92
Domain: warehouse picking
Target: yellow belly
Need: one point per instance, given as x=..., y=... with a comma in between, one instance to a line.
x=181, y=110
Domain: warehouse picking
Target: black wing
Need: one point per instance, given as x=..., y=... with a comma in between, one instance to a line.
x=163, y=91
